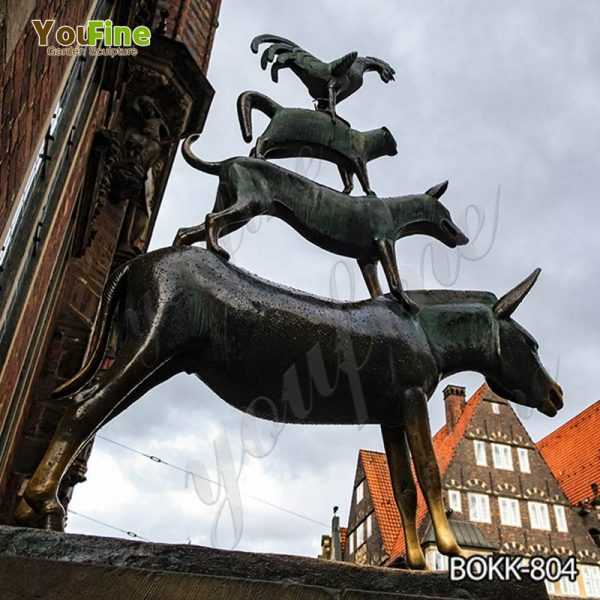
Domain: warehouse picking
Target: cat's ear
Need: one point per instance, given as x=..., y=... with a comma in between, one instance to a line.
x=437, y=190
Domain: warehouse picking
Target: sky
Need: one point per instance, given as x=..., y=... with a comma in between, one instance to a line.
x=501, y=99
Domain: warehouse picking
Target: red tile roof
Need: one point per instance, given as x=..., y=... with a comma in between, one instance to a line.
x=380, y=486
x=573, y=453
x=343, y=539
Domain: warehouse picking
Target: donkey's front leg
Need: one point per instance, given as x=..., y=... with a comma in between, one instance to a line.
x=418, y=432
x=405, y=491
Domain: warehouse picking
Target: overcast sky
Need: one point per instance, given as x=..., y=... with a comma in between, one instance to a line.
x=502, y=99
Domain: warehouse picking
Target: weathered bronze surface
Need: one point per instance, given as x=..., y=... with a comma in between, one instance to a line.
x=364, y=228
x=327, y=83
x=291, y=357
x=298, y=132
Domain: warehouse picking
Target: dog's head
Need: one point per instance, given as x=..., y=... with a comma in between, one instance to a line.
x=438, y=222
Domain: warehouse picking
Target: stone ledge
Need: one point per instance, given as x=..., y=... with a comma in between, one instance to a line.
x=38, y=564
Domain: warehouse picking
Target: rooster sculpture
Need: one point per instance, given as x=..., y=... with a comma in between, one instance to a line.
x=327, y=83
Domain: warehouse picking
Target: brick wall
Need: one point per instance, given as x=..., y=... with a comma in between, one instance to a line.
x=29, y=83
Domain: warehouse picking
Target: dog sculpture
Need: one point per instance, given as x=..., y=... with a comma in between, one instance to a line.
x=296, y=132
x=362, y=228
x=291, y=357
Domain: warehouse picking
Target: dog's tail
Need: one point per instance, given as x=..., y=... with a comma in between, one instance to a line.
x=112, y=293
x=246, y=102
x=214, y=168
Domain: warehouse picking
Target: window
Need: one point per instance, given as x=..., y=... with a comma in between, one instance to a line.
x=591, y=580
x=352, y=542
x=479, y=508
x=369, y=525
x=454, y=500
x=502, y=457
x=360, y=535
x=561, y=518
x=549, y=586
x=523, y=460
x=568, y=587
x=360, y=491
x=480, y=456
x=437, y=561
x=510, y=513
x=538, y=515
x=495, y=408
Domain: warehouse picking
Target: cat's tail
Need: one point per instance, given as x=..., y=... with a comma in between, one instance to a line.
x=246, y=102
x=214, y=168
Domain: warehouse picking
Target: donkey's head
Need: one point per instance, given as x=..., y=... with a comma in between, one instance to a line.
x=518, y=374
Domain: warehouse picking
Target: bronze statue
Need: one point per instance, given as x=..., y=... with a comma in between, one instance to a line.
x=327, y=83
x=363, y=228
x=300, y=132
x=188, y=310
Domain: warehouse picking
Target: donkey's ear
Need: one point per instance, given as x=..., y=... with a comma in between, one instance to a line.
x=509, y=302
x=437, y=190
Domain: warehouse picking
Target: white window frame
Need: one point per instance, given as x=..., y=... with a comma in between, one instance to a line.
x=479, y=508
x=539, y=516
x=502, y=457
x=436, y=561
x=480, y=453
x=549, y=587
x=510, y=511
x=568, y=587
x=523, y=455
x=591, y=580
x=369, y=526
x=495, y=408
x=455, y=500
x=560, y=514
x=360, y=534
x=360, y=491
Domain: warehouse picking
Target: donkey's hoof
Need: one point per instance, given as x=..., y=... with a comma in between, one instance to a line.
x=25, y=515
x=54, y=521
x=417, y=561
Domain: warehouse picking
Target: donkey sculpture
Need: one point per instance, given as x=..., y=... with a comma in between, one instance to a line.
x=291, y=357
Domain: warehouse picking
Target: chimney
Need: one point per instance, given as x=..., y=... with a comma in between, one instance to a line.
x=454, y=399
x=336, y=540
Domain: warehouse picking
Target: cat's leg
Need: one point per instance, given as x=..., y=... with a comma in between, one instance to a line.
x=368, y=269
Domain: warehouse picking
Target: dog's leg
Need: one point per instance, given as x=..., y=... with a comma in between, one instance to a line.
x=363, y=177
x=387, y=256
x=368, y=269
x=229, y=219
x=405, y=491
x=346, y=176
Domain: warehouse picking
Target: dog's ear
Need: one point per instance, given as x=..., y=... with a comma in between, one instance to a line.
x=437, y=190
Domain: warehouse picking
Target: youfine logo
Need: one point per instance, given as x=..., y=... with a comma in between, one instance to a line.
x=100, y=37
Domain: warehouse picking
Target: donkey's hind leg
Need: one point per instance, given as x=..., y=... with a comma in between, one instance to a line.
x=110, y=392
x=405, y=491
x=228, y=220
x=416, y=419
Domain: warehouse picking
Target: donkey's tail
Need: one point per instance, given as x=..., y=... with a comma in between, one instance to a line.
x=111, y=294
x=246, y=102
x=214, y=168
